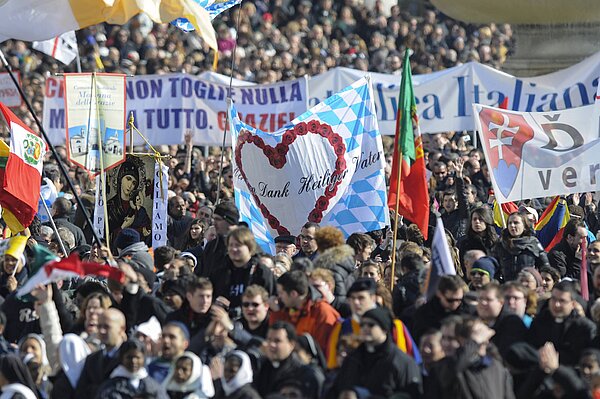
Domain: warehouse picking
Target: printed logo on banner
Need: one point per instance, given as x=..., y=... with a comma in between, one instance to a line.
x=505, y=134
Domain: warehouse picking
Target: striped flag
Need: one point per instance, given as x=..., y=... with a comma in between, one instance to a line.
x=552, y=223
x=502, y=212
x=21, y=178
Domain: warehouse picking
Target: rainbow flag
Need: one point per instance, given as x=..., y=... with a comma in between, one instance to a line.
x=552, y=223
x=502, y=211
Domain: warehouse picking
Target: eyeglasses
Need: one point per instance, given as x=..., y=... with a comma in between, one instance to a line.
x=453, y=300
x=251, y=304
x=307, y=238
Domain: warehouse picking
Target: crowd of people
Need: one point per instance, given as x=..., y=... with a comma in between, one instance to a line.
x=210, y=314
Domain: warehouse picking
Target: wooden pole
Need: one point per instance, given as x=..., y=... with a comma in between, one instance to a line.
x=397, y=219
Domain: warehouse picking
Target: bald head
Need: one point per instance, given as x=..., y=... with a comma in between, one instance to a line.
x=471, y=257
x=111, y=328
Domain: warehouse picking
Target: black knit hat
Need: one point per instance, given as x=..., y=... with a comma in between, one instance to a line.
x=382, y=317
x=126, y=238
x=228, y=211
x=286, y=239
x=175, y=286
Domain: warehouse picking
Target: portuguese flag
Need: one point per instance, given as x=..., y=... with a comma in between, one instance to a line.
x=408, y=167
x=21, y=173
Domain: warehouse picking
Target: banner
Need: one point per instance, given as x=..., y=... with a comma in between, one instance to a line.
x=133, y=194
x=166, y=107
x=63, y=48
x=9, y=95
x=95, y=120
x=540, y=154
x=326, y=167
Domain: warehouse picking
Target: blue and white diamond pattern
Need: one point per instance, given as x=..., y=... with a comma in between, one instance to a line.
x=213, y=8
x=363, y=205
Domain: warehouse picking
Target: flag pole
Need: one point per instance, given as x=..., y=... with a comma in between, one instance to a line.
x=397, y=214
x=101, y=153
x=59, y=161
x=60, y=241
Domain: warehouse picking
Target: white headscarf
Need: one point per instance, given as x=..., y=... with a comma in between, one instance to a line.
x=243, y=376
x=9, y=391
x=200, y=381
x=27, y=358
x=72, y=352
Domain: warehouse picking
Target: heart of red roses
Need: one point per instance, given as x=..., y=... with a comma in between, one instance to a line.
x=277, y=158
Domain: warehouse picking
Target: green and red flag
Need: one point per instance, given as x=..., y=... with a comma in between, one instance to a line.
x=408, y=167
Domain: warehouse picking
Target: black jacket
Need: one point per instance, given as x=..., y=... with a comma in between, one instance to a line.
x=95, y=372
x=140, y=307
x=77, y=232
x=340, y=260
x=269, y=379
x=562, y=258
x=252, y=273
x=430, y=315
x=570, y=337
x=406, y=292
x=524, y=252
x=509, y=329
x=385, y=372
x=213, y=256
x=121, y=388
x=195, y=322
x=469, y=242
x=467, y=375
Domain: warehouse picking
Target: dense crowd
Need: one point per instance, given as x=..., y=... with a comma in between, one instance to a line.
x=212, y=315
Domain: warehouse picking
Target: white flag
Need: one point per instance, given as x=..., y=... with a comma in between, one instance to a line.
x=63, y=47
x=441, y=258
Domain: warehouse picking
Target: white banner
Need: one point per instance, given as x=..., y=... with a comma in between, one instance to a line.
x=166, y=107
x=63, y=47
x=9, y=95
x=159, y=208
x=540, y=154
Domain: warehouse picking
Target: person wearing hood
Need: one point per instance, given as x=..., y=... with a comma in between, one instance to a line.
x=15, y=380
x=236, y=381
x=188, y=378
x=72, y=352
x=336, y=256
x=240, y=270
x=32, y=350
x=518, y=248
x=14, y=269
x=130, y=378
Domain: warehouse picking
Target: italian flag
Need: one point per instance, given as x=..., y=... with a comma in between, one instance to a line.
x=21, y=175
x=55, y=270
x=32, y=20
x=408, y=194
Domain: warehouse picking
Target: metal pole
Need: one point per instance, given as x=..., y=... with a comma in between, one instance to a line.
x=60, y=241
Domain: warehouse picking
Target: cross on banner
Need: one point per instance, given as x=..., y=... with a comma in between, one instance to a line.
x=499, y=141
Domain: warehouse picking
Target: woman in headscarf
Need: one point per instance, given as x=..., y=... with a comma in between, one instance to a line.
x=15, y=380
x=236, y=381
x=72, y=352
x=189, y=379
x=130, y=378
x=32, y=350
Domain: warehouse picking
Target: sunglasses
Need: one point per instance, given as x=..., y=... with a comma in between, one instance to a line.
x=251, y=304
x=453, y=300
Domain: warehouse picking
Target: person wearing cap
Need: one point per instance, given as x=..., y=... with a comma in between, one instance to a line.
x=362, y=298
x=14, y=271
x=225, y=219
x=286, y=244
x=377, y=368
x=482, y=272
x=566, y=255
x=508, y=326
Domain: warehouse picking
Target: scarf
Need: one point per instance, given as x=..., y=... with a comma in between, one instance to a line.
x=243, y=376
x=134, y=378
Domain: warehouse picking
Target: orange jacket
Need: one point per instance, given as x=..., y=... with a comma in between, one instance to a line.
x=316, y=318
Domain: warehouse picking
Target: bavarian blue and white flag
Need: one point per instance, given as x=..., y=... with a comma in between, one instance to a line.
x=214, y=8
x=326, y=166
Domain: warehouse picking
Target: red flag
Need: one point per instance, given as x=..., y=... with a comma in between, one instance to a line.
x=20, y=185
x=411, y=183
